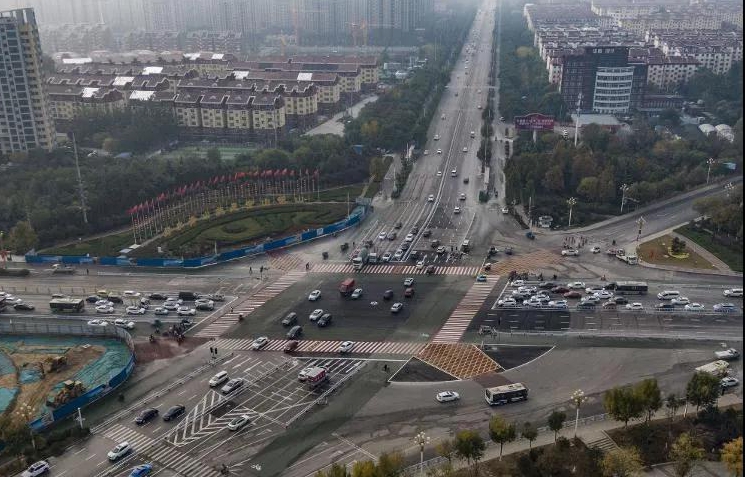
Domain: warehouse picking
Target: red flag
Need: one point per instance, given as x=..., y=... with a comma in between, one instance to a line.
x=284, y=172
x=292, y=173
x=277, y=173
x=316, y=173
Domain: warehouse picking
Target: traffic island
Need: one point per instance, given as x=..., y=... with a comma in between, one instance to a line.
x=660, y=251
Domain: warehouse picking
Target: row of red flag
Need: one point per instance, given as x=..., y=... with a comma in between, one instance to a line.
x=183, y=190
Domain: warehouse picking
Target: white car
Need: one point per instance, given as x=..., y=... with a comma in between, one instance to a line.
x=465, y=149
x=119, y=451
x=314, y=295
x=398, y=255
x=439, y=151
x=733, y=293
x=456, y=210
x=729, y=382
x=397, y=307
x=570, y=252
x=462, y=196
x=505, y=210
x=603, y=294
x=98, y=323
x=636, y=306
x=259, y=342
x=426, y=152
x=430, y=198
x=681, y=300
x=590, y=299
x=420, y=264
x=437, y=137
x=356, y=293
x=439, y=173
x=518, y=283
x=507, y=302
x=160, y=311
x=135, y=310
x=103, y=303
x=106, y=309
x=592, y=289
x=303, y=374
x=239, y=422
x=576, y=285
x=232, y=385
x=447, y=396
x=409, y=238
x=218, y=379
x=36, y=469
x=694, y=307
x=122, y=323
x=386, y=257
x=382, y=235
x=408, y=281
x=595, y=249
x=171, y=305
x=346, y=347
x=186, y=311
x=558, y=304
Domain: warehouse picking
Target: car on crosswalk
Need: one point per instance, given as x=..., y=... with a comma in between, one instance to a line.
x=141, y=470
x=119, y=451
x=346, y=347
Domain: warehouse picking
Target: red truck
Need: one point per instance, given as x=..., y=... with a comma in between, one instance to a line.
x=316, y=376
x=347, y=287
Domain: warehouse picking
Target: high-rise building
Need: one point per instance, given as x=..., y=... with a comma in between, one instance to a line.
x=25, y=118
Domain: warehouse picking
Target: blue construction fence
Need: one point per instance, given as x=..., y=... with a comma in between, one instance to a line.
x=355, y=217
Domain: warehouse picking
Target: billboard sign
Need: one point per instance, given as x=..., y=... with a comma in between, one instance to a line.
x=534, y=122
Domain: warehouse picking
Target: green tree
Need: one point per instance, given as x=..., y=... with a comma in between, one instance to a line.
x=588, y=188
x=446, y=448
x=622, y=462
x=703, y=390
x=213, y=154
x=732, y=456
x=470, y=446
x=678, y=246
x=623, y=404
x=553, y=180
x=377, y=168
x=648, y=392
x=501, y=432
x=556, y=422
x=685, y=453
x=530, y=433
x=673, y=403
x=390, y=464
x=110, y=145
x=23, y=237
x=364, y=468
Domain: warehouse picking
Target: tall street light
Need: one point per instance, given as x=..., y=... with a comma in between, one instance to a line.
x=422, y=440
x=578, y=398
x=728, y=188
x=571, y=202
x=640, y=223
x=708, y=169
x=624, y=188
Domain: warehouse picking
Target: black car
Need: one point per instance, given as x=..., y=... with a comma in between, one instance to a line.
x=23, y=307
x=586, y=305
x=465, y=180
x=92, y=299
x=187, y=295
x=546, y=285
x=398, y=225
x=186, y=322
x=388, y=294
x=414, y=256
x=295, y=332
x=324, y=320
x=114, y=299
x=664, y=307
x=392, y=236
x=405, y=246
x=146, y=416
x=174, y=412
x=619, y=300
x=157, y=296
x=290, y=319
x=426, y=233
x=415, y=230
x=434, y=244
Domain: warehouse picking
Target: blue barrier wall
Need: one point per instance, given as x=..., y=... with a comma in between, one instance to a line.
x=357, y=215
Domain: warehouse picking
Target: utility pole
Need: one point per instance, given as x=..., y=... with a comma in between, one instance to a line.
x=81, y=192
x=530, y=213
x=640, y=223
x=709, y=162
x=571, y=202
x=576, y=123
x=624, y=188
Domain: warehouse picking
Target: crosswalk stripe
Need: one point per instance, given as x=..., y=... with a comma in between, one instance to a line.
x=310, y=346
x=460, y=318
x=393, y=269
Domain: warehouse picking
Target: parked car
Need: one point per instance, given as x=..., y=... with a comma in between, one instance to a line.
x=729, y=382
x=218, y=379
x=570, y=252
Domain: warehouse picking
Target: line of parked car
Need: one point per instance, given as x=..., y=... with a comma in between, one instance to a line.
x=18, y=304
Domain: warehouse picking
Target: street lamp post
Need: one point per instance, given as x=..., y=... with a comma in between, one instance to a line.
x=571, y=202
x=708, y=169
x=624, y=188
x=640, y=223
x=422, y=440
x=578, y=398
x=727, y=187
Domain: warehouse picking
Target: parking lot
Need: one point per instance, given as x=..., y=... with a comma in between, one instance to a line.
x=368, y=318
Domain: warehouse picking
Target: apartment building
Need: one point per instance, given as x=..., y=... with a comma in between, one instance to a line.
x=545, y=15
x=713, y=50
x=151, y=40
x=204, y=40
x=25, y=117
x=82, y=38
x=666, y=72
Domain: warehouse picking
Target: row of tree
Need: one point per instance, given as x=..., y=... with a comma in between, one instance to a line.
x=724, y=212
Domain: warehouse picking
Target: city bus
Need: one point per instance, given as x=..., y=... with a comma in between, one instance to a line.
x=506, y=394
x=631, y=288
x=67, y=305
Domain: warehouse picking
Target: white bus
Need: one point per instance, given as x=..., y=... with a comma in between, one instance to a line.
x=506, y=394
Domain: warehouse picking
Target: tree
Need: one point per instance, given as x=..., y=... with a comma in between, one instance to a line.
x=673, y=403
x=732, y=456
x=501, y=432
x=650, y=396
x=470, y=446
x=377, y=168
x=678, y=246
x=446, y=448
x=622, y=462
x=390, y=464
x=213, y=154
x=23, y=237
x=588, y=188
x=703, y=390
x=110, y=145
x=365, y=468
x=530, y=433
x=685, y=453
x=553, y=180
x=623, y=404
x=337, y=470
x=556, y=422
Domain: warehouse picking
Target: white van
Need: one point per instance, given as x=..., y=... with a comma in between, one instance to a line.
x=454, y=173
x=218, y=379
x=668, y=294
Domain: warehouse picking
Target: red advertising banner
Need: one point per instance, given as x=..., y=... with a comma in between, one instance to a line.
x=534, y=122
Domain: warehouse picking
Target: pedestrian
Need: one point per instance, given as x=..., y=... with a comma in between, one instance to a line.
x=231, y=309
x=87, y=271
x=250, y=271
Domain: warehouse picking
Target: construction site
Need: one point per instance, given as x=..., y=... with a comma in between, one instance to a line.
x=38, y=374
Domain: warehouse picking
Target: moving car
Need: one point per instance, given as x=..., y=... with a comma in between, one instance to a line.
x=122, y=323
x=259, y=342
x=573, y=294
x=290, y=319
x=694, y=307
x=437, y=137
x=462, y=196
x=559, y=289
x=324, y=320
x=430, y=269
x=576, y=285
x=98, y=323
x=465, y=149
x=119, y=451
x=570, y=252
x=409, y=292
x=388, y=294
x=357, y=293
x=317, y=313
x=733, y=293
x=314, y=295
x=36, y=469
x=420, y=265
x=104, y=303
x=207, y=305
x=141, y=470
x=408, y=281
x=430, y=198
x=439, y=151
x=727, y=354
x=295, y=332
x=505, y=210
x=239, y=422
x=456, y=210
x=725, y=308
x=636, y=306
x=218, y=379
x=681, y=300
x=595, y=249
x=397, y=307
x=447, y=396
x=173, y=412
x=346, y=347
x=135, y=310
x=592, y=289
x=664, y=307
x=603, y=294
x=105, y=309
x=232, y=385
x=291, y=346
x=186, y=311
x=609, y=305
x=157, y=296
x=160, y=311
x=146, y=415
x=481, y=278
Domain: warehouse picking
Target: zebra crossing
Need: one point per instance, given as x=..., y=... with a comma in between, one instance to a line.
x=283, y=260
x=309, y=346
x=164, y=455
x=228, y=320
x=393, y=269
x=469, y=305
